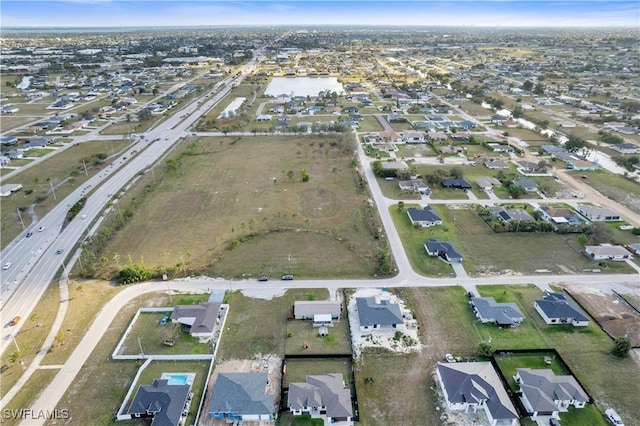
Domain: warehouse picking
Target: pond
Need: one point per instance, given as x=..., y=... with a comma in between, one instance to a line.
x=303, y=86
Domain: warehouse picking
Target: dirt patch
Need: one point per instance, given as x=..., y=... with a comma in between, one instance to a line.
x=611, y=311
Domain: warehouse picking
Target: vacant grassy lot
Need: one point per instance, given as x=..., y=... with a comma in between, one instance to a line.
x=233, y=206
x=370, y=124
x=25, y=398
x=417, y=150
x=148, y=333
x=616, y=187
x=201, y=368
x=59, y=169
x=257, y=326
x=391, y=189
x=521, y=252
x=413, y=240
x=304, y=334
x=297, y=370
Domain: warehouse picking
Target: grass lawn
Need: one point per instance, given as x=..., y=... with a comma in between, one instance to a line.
x=265, y=222
x=521, y=252
x=148, y=333
x=369, y=124
x=30, y=339
x=58, y=168
x=288, y=419
x=616, y=187
x=415, y=150
x=391, y=189
x=263, y=323
x=38, y=152
x=413, y=241
x=201, y=368
x=125, y=128
x=297, y=370
x=28, y=394
x=303, y=333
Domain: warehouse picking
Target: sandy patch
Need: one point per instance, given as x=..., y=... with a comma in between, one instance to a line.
x=264, y=293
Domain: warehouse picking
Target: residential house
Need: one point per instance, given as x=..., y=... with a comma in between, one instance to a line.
x=416, y=185
x=488, y=183
x=456, y=183
x=200, y=319
x=9, y=188
x=553, y=150
x=526, y=184
x=501, y=314
x=437, y=136
x=413, y=137
x=161, y=401
x=496, y=147
x=599, y=214
x=322, y=312
x=544, y=394
x=561, y=216
x=242, y=396
x=378, y=314
x=426, y=217
x=496, y=164
x=556, y=308
x=9, y=140
x=626, y=148
x=510, y=215
x=450, y=149
x=476, y=386
x=607, y=252
x=264, y=117
x=322, y=396
x=498, y=119
x=528, y=166
x=634, y=248
x=447, y=251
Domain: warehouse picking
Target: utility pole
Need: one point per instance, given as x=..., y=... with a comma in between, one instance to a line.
x=16, y=343
x=53, y=190
x=153, y=175
x=85, y=168
x=140, y=345
x=20, y=216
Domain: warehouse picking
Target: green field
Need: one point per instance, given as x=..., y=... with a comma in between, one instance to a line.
x=237, y=206
x=59, y=169
x=303, y=338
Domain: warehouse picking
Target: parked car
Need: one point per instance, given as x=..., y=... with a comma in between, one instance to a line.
x=164, y=320
x=613, y=417
x=41, y=228
x=15, y=320
x=263, y=278
x=449, y=358
x=287, y=277
x=6, y=266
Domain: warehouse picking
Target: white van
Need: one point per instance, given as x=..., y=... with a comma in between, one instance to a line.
x=613, y=417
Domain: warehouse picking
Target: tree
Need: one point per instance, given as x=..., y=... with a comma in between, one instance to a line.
x=574, y=144
x=304, y=176
x=516, y=191
x=456, y=172
x=400, y=205
x=539, y=89
x=598, y=233
x=621, y=347
x=485, y=350
x=527, y=85
x=517, y=112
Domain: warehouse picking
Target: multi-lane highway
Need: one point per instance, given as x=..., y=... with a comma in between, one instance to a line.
x=35, y=260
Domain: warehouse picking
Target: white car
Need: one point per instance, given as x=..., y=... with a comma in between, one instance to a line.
x=41, y=228
x=83, y=217
x=6, y=266
x=613, y=417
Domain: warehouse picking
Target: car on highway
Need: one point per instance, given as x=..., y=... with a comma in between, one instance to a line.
x=6, y=266
x=29, y=234
x=41, y=228
x=59, y=251
x=15, y=320
x=83, y=217
x=287, y=277
x=263, y=278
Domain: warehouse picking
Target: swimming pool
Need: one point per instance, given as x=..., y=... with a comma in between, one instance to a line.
x=177, y=379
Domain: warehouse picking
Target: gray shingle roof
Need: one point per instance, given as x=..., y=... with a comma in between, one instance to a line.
x=556, y=305
x=445, y=249
x=542, y=387
x=167, y=401
x=242, y=393
x=201, y=318
x=322, y=390
x=502, y=313
x=384, y=313
x=472, y=382
x=315, y=307
x=427, y=214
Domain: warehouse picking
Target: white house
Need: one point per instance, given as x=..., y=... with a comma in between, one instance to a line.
x=599, y=214
x=607, y=252
x=556, y=309
x=426, y=217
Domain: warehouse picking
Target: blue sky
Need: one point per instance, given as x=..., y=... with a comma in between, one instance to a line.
x=95, y=13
